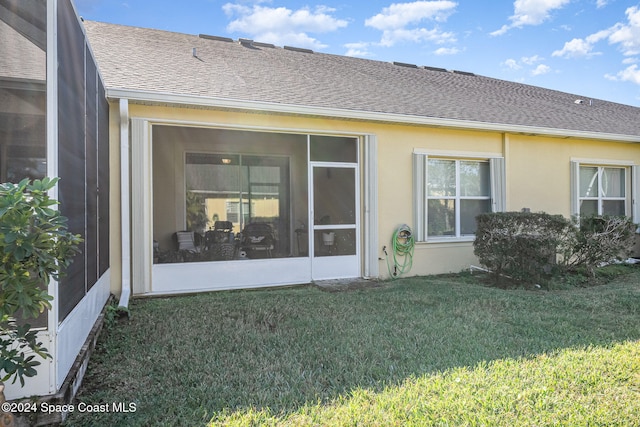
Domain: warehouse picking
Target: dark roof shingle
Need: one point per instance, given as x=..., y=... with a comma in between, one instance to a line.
x=160, y=61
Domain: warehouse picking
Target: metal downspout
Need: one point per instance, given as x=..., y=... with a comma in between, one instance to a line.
x=125, y=216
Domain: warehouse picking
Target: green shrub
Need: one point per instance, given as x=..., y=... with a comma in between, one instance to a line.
x=520, y=245
x=533, y=247
x=34, y=247
x=598, y=240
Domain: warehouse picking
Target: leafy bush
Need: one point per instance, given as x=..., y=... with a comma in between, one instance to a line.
x=598, y=240
x=532, y=247
x=34, y=247
x=521, y=245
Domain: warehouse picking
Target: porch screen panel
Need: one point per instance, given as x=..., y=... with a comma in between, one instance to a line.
x=23, y=143
x=83, y=157
x=103, y=179
x=71, y=155
x=265, y=182
x=91, y=170
x=333, y=149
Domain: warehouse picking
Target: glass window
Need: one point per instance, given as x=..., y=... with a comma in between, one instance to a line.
x=613, y=182
x=457, y=191
x=441, y=180
x=236, y=206
x=588, y=181
x=469, y=210
x=602, y=191
x=441, y=218
x=474, y=179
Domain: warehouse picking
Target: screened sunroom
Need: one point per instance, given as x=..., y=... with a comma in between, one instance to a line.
x=54, y=122
x=241, y=208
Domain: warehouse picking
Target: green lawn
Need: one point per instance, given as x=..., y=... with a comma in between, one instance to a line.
x=440, y=351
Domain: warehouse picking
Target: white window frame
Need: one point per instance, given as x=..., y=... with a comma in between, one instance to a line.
x=632, y=181
x=497, y=195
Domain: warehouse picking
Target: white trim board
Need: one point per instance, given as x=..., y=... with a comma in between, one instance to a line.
x=602, y=162
x=304, y=110
x=457, y=154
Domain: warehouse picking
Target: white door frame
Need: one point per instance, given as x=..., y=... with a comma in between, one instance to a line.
x=334, y=266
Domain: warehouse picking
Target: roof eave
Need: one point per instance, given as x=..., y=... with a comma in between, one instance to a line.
x=262, y=106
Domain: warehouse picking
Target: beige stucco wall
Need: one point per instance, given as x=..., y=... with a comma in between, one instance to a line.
x=115, y=241
x=537, y=168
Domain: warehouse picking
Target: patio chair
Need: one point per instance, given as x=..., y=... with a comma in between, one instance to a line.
x=220, y=233
x=188, y=244
x=219, y=242
x=258, y=239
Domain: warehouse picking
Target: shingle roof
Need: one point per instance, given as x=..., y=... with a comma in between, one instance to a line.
x=158, y=61
x=20, y=59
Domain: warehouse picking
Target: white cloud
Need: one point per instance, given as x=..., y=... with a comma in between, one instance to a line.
x=512, y=64
x=601, y=3
x=528, y=63
x=416, y=35
x=541, y=69
x=530, y=60
x=399, y=15
x=400, y=22
x=447, y=51
x=281, y=25
x=530, y=12
x=628, y=35
x=575, y=48
x=360, y=49
x=629, y=74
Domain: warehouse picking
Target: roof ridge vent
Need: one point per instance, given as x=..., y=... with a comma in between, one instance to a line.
x=464, y=73
x=260, y=44
x=248, y=43
x=298, y=49
x=442, y=70
x=217, y=38
x=404, y=64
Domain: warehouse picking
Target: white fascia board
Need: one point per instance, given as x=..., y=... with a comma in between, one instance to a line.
x=248, y=105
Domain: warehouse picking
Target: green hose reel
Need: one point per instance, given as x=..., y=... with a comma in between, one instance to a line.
x=403, y=244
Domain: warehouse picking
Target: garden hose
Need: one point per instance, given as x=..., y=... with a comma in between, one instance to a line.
x=403, y=244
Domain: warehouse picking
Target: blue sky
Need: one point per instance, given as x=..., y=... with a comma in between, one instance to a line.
x=587, y=47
